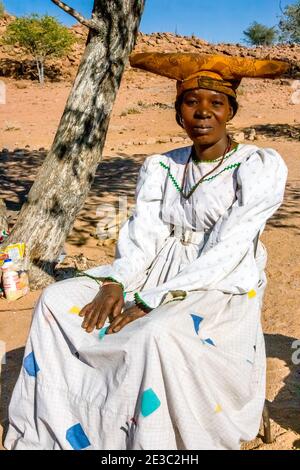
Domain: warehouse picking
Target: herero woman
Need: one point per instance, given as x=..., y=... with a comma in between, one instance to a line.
x=179, y=362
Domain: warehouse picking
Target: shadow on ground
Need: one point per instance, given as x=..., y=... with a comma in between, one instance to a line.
x=278, y=131
x=288, y=211
x=284, y=409
x=115, y=176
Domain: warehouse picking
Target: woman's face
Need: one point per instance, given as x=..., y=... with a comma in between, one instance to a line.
x=204, y=114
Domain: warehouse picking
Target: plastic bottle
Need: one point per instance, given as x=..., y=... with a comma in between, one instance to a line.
x=10, y=281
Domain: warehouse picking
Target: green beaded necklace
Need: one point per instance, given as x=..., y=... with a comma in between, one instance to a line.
x=226, y=155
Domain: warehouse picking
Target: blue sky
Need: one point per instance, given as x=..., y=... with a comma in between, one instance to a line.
x=215, y=21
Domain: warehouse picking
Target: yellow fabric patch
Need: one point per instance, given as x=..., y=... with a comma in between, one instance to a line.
x=218, y=409
x=75, y=310
x=251, y=294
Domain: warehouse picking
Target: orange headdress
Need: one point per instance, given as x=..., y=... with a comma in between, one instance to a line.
x=213, y=72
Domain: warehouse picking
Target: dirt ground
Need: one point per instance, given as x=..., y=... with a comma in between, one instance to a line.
x=143, y=122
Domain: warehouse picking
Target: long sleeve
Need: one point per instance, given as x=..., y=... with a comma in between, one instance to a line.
x=144, y=232
x=261, y=180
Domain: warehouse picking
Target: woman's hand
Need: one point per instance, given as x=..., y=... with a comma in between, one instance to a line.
x=127, y=316
x=108, y=303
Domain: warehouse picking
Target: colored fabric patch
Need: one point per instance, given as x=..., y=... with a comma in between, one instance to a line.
x=30, y=365
x=102, y=332
x=150, y=402
x=197, y=320
x=218, y=409
x=209, y=341
x=75, y=310
x=251, y=294
x=124, y=295
x=77, y=437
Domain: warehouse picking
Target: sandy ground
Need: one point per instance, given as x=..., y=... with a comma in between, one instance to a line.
x=143, y=123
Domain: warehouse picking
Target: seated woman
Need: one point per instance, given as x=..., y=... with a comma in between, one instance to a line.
x=179, y=362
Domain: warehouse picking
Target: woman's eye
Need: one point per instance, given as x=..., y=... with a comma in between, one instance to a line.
x=218, y=103
x=191, y=102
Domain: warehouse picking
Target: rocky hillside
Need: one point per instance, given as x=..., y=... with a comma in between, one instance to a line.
x=14, y=63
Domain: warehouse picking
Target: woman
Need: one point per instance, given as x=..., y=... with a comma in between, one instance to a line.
x=179, y=364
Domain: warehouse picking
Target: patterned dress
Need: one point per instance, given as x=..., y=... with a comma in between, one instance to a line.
x=191, y=373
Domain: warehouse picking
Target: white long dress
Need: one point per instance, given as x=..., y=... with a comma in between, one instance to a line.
x=191, y=373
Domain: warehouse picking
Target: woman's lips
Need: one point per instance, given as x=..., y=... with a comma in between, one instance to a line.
x=202, y=130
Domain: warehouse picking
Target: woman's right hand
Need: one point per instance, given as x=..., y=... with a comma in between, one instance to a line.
x=108, y=303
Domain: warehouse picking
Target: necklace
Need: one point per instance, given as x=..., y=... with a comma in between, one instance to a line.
x=188, y=195
x=197, y=162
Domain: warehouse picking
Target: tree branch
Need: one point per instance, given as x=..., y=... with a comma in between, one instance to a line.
x=91, y=24
x=280, y=6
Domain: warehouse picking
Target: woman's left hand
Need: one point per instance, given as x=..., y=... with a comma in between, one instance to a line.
x=127, y=316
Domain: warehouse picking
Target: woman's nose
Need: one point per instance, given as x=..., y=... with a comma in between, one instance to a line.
x=202, y=111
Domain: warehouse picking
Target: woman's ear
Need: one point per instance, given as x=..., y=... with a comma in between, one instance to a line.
x=230, y=115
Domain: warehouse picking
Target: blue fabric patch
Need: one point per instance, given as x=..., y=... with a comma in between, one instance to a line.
x=197, y=320
x=102, y=332
x=150, y=402
x=77, y=437
x=30, y=365
x=124, y=295
x=209, y=341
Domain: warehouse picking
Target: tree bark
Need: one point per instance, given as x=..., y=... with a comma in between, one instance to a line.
x=40, y=69
x=3, y=216
x=65, y=178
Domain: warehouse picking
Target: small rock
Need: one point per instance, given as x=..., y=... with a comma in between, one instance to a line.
x=150, y=141
x=177, y=140
x=239, y=137
x=108, y=242
x=295, y=85
x=295, y=98
x=163, y=140
x=252, y=135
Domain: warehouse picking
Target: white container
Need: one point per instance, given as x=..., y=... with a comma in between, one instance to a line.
x=11, y=281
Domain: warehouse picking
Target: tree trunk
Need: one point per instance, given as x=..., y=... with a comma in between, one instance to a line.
x=66, y=176
x=3, y=217
x=39, y=69
x=42, y=69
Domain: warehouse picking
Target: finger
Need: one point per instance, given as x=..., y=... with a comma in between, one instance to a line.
x=89, y=314
x=116, y=311
x=101, y=320
x=85, y=310
x=122, y=323
x=92, y=313
x=106, y=310
x=101, y=315
x=115, y=322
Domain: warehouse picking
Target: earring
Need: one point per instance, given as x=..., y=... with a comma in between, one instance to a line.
x=181, y=122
